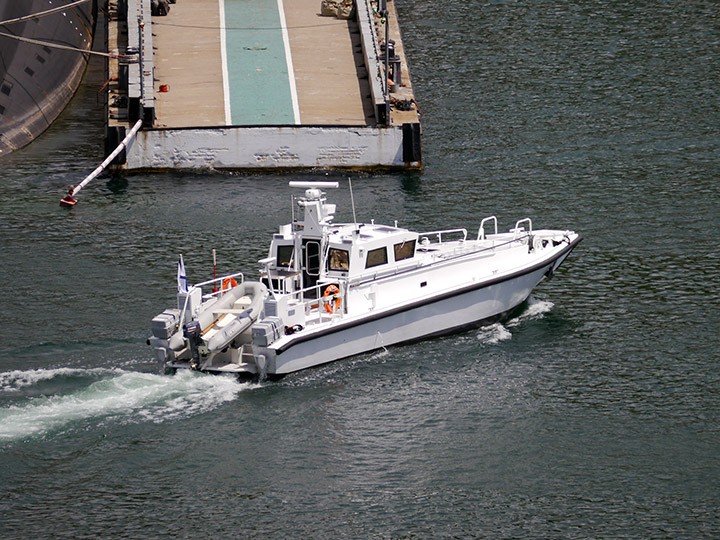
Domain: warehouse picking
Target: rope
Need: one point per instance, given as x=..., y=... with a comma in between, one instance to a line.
x=58, y=46
x=43, y=13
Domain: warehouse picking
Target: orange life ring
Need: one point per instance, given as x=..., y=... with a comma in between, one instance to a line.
x=333, y=305
x=228, y=283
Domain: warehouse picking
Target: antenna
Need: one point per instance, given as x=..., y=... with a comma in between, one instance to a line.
x=292, y=212
x=352, y=202
x=310, y=185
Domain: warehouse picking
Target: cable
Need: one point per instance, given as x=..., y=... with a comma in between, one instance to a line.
x=57, y=46
x=43, y=13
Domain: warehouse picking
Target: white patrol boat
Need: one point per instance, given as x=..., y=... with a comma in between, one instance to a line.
x=328, y=291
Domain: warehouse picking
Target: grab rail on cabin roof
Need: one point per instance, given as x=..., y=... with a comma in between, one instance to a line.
x=446, y=231
x=419, y=266
x=481, y=230
x=517, y=230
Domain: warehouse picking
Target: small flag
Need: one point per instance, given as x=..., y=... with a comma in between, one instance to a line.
x=182, y=276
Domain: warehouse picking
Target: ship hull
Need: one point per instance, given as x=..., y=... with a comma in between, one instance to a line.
x=37, y=81
x=483, y=304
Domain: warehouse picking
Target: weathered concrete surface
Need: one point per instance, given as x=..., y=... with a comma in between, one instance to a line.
x=267, y=147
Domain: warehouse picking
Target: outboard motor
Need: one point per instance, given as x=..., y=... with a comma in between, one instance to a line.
x=192, y=333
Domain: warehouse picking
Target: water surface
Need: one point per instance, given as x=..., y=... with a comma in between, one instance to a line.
x=592, y=414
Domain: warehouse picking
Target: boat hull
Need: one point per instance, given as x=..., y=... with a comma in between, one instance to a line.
x=457, y=310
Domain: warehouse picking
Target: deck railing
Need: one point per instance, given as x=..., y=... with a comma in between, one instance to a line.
x=446, y=232
x=518, y=230
x=312, y=299
x=220, y=281
x=481, y=230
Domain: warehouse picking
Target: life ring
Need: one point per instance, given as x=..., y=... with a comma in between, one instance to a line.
x=228, y=283
x=333, y=305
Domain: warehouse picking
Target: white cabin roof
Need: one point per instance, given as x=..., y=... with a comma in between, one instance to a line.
x=367, y=233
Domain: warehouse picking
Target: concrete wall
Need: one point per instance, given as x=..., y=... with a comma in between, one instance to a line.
x=267, y=147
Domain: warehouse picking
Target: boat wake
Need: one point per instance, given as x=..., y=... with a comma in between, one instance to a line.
x=45, y=401
x=499, y=332
x=493, y=334
x=14, y=381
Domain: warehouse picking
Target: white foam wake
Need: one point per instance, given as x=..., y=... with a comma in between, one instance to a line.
x=536, y=309
x=493, y=334
x=498, y=332
x=120, y=395
x=12, y=381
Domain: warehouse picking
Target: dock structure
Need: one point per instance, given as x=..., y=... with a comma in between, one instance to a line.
x=261, y=84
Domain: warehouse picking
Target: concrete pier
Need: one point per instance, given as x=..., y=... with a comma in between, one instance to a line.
x=263, y=84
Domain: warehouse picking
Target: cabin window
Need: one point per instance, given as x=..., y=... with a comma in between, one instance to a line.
x=376, y=257
x=339, y=259
x=284, y=256
x=406, y=250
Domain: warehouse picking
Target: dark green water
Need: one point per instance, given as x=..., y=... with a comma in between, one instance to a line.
x=593, y=414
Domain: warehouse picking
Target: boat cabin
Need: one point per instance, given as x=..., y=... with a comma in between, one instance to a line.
x=314, y=251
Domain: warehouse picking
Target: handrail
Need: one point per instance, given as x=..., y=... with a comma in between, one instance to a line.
x=446, y=231
x=481, y=230
x=321, y=301
x=200, y=286
x=518, y=222
x=219, y=280
x=397, y=271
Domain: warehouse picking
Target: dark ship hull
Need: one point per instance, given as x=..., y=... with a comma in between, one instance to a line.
x=37, y=81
